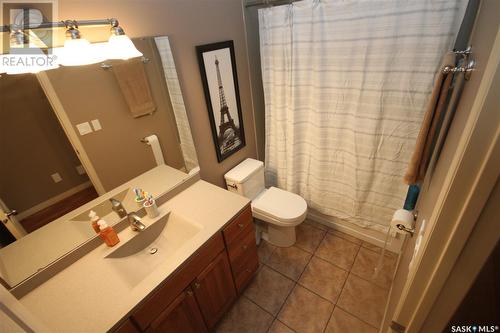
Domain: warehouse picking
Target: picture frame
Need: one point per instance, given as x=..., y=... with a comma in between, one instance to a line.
x=220, y=84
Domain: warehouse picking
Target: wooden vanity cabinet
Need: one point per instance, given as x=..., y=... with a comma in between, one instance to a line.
x=214, y=290
x=182, y=315
x=196, y=296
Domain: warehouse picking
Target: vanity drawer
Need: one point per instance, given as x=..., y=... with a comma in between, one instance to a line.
x=178, y=281
x=243, y=257
x=238, y=226
x=247, y=269
x=240, y=249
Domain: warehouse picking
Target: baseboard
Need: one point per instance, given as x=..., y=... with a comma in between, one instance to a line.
x=47, y=203
x=394, y=243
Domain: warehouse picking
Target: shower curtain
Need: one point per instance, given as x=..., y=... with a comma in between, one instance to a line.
x=345, y=87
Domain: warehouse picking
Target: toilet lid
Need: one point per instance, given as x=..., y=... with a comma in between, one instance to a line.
x=280, y=204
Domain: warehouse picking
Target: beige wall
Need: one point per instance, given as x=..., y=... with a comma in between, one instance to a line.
x=32, y=146
x=253, y=44
x=187, y=23
x=116, y=152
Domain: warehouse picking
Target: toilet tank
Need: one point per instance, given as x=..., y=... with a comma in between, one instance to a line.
x=247, y=178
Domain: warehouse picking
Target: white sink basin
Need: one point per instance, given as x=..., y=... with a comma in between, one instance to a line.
x=138, y=257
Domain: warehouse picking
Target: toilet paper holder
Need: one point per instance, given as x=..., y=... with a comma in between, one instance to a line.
x=411, y=231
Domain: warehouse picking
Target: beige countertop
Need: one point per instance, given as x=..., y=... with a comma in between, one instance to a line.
x=90, y=296
x=31, y=253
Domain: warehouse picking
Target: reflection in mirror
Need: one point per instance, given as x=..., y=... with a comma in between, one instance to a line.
x=70, y=136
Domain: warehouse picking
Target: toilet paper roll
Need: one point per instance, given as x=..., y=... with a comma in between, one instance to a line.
x=152, y=141
x=403, y=217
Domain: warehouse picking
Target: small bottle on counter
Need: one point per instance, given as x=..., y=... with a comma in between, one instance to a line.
x=108, y=234
x=93, y=220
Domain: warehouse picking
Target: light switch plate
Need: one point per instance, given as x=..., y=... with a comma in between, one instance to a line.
x=96, y=125
x=56, y=177
x=80, y=170
x=84, y=128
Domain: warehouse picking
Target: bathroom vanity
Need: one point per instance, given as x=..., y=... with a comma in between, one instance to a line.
x=204, y=256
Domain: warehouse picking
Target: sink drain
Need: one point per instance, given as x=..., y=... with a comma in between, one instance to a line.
x=153, y=250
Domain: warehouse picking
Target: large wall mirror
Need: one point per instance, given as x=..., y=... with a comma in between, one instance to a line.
x=71, y=135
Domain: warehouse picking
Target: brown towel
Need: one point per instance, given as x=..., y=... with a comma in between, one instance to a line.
x=436, y=106
x=134, y=85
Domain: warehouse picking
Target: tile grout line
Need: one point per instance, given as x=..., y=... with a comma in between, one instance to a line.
x=313, y=255
x=297, y=282
x=343, y=286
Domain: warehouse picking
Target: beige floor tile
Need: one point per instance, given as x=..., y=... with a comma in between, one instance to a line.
x=269, y=289
x=363, y=299
x=378, y=249
x=279, y=327
x=342, y=321
x=324, y=279
x=345, y=236
x=316, y=225
x=264, y=250
x=245, y=317
x=308, y=237
x=337, y=251
x=305, y=312
x=365, y=264
x=289, y=261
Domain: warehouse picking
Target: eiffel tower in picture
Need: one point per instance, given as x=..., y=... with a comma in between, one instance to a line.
x=229, y=134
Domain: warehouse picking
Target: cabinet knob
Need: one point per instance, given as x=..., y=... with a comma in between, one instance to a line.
x=248, y=270
x=244, y=247
x=241, y=225
x=197, y=285
x=189, y=293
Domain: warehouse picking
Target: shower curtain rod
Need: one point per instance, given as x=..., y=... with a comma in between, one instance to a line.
x=265, y=3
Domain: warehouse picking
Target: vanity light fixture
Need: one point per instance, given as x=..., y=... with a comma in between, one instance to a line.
x=119, y=45
x=77, y=51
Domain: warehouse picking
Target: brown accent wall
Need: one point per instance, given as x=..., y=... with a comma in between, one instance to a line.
x=32, y=146
x=187, y=23
x=116, y=152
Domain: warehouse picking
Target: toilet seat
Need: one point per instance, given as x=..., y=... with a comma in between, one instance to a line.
x=279, y=207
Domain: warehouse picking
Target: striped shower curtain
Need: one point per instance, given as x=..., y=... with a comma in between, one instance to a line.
x=346, y=85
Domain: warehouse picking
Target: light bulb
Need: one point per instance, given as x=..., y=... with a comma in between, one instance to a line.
x=121, y=47
x=78, y=52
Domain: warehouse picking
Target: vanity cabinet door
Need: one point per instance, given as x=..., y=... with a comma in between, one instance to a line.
x=182, y=315
x=214, y=289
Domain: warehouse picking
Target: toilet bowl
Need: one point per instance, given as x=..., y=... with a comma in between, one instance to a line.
x=280, y=210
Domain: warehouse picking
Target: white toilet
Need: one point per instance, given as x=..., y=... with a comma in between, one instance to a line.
x=281, y=210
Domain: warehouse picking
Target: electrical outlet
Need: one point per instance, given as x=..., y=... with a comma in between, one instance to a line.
x=96, y=125
x=80, y=170
x=56, y=177
x=84, y=128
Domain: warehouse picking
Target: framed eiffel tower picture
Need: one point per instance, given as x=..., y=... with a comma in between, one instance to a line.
x=220, y=82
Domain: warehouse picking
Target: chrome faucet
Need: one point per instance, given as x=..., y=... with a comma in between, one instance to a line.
x=118, y=208
x=135, y=222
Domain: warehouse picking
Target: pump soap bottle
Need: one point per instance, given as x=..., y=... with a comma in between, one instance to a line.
x=108, y=234
x=94, y=219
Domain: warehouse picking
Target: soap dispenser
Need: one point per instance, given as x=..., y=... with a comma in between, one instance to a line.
x=93, y=220
x=108, y=234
